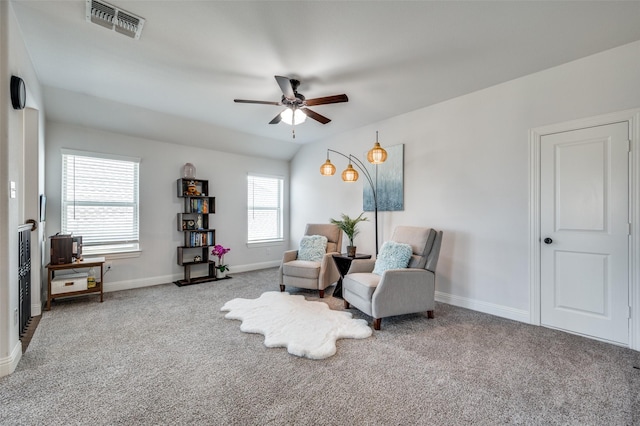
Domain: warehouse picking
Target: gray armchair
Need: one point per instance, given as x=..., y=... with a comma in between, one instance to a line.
x=310, y=274
x=396, y=291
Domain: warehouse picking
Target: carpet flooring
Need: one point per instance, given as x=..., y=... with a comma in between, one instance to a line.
x=166, y=355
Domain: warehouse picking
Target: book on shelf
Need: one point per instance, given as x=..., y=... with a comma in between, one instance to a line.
x=199, y=205
x=200, y=239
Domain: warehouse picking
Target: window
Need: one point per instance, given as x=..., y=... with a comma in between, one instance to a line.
x=100, y=201
x=265, y=195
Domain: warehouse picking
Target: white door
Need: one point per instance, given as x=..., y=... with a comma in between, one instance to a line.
x=584, y=225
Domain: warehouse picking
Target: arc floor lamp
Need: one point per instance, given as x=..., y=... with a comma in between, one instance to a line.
x=376, y=155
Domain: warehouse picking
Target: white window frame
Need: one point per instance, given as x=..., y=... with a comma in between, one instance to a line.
x=279, y=232
x=127, y=247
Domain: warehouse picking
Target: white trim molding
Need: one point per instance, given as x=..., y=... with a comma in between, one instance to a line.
x=255, y=266
x=169, y=279
x=139, y=283
x=632, y=117
x=36, y=309
x=485, y=307
x=9, y=364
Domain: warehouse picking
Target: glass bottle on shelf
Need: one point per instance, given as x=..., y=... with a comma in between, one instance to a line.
x=91, y=279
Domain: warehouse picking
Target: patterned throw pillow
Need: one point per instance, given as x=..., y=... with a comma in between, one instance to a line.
x=312, y=247
x=392, y=256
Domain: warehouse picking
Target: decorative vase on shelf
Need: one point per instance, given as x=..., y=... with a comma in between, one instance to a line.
x=189, y=171
x=221, y=269
x=91, y=279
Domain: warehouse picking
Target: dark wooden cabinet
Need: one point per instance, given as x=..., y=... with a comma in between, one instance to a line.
x=195, y=224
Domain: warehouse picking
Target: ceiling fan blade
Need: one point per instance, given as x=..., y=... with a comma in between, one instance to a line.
x=285, y=86
x=327, y=100
x=276, y=119
x=246, y=101
x=312, y=114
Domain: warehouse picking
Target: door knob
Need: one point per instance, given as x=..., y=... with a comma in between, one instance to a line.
x=548, y=240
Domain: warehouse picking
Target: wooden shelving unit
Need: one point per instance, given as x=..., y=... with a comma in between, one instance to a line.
x=194, y=222
x=85, y=263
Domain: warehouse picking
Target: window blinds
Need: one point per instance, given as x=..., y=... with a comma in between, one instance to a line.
x=100, y=198
x=265, y=200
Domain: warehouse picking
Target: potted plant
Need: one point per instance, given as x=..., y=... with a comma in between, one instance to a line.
x=221, y=269
x=350, y=228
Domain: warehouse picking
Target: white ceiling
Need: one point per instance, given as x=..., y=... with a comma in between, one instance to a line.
x=389, y=57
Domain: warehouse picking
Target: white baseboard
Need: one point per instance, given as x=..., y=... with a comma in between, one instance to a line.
x=164, y=279
x=36, y=309
x=485, y=307
x=255, y=266
x=9, y=364
x=142, y=282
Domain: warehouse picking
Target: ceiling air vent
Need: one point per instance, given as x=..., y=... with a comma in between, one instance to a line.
x=111, y=17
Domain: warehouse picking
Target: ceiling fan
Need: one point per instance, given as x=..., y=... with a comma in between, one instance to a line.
x=296, y=104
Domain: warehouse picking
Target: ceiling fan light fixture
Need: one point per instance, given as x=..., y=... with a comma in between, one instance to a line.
x=296, y=104
x=290, y=116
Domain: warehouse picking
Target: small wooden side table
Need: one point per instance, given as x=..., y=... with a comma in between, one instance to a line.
x=343, y=263
x=85, y=263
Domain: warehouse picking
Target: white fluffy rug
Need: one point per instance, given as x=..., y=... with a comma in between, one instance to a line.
x=307, y=329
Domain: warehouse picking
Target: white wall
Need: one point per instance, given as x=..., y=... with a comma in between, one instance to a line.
x=160, y=167
x=14, y=60
x=466, y=173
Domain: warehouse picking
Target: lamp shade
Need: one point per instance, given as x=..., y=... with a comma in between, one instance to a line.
x=377, y=154
x=288, y=116
x=350, y=174
x=327, y=169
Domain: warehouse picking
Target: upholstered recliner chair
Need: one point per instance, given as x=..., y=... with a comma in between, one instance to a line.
x=317, y=274
x=396, y=291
